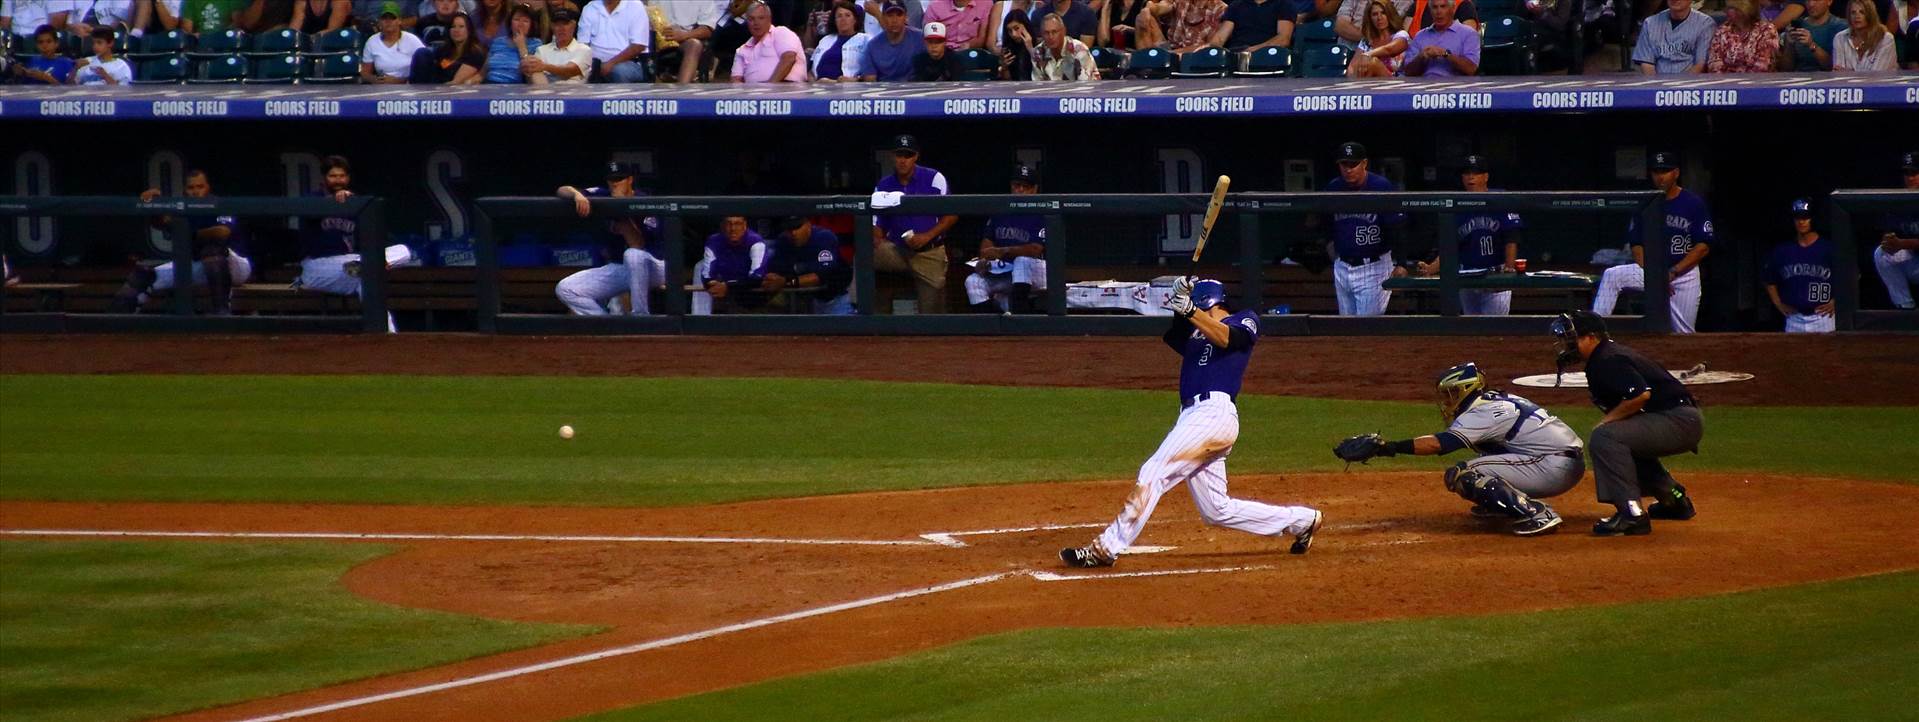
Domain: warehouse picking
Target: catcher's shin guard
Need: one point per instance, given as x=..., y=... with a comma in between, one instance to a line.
x=1491, y=492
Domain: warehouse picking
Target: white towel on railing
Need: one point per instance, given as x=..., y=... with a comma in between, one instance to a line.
x=887, y=199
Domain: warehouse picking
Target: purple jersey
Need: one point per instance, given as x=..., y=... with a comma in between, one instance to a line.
x=1687, y=223
x=1802, y=273
x=1006, y=231
x=329, y=236
x=1482, y=242
x=1358, y=235
x=925, y=182
x=1204, y=367
x=819, y=255
x=730, y=262
x=616, y=243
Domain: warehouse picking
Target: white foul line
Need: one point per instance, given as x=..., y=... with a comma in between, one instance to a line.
x=460, y=537
x=630, y=649
x=1055, y=577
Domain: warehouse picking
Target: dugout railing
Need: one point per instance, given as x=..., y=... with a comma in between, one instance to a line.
x=369, y=213
x=1248, y=208
x=1845, y=283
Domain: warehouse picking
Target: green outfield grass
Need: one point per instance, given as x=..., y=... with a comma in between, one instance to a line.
x=96, y=630
x=1836, y=651
x=490, y=440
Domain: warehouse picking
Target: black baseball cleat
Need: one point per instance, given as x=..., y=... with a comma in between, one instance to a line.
x=1543, y=522
x=1086, y=557
x=1304, y=540
x=1678, y=508
x=1623, y=525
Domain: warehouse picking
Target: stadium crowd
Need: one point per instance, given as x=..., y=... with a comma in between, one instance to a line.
x=842, y=41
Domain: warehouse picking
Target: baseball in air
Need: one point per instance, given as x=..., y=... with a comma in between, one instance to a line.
x=566, y=432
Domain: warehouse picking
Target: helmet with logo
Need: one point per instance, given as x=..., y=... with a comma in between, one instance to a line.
x=1208, y=293
x=1459, y=387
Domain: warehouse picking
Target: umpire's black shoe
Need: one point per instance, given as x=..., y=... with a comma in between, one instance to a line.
x=1623, y=525
x=1678, y=508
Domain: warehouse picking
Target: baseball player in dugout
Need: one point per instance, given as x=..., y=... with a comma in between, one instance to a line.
x=1525, y=453
x=1897, y=255
x=1688, y=238
x=1488, y=243
x=1649, y=415
x=1363, y=259
x=1214, y=347
x=1012, y=256
x=631, y=268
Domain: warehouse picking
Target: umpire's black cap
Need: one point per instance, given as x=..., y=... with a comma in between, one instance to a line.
x=1023, y=173
x=1351, y=152
x=616, y=170
x=1664, y=160
x=905, y=144
x=1909, y=161
x=1475, y=163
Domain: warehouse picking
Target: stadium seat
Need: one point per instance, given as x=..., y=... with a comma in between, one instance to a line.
x=1108, y=62
x=276, y=70
x=980, y=64
x=1203, y=63
x=155, y=46
x=1268, y=62
x=1326, y=62
x=1311, y=38
x=208, y=46
x=274, y=42
x=1508, y=48
x=1149, y=63
x=334, y=69
x=160, y=71
x=229, y=69
x=337, y=42
x=20, y=47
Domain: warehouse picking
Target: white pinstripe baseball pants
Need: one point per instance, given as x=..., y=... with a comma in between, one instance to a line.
x=1482, y=302
x=587, y=292
x=1358, y=286
x=1810, y=323
x=1685, y=293
x=1195, y=452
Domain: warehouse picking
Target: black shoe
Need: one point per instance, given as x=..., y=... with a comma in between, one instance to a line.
x=1679, y=508
x=1481, y=511
x=1543, y=522
x=1304, y=541
x=1623, y=525
x=1085, y=557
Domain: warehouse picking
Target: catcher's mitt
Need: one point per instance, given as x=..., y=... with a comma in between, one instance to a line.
x=1362, y=447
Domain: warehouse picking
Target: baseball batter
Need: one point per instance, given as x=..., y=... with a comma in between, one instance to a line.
x=1214, y=348
x=630, y=269
x=1364, y=259
x=1897, y=255
x=1525, y=453
x=1012, y=256
x=1688, y=237
x=1799, y=276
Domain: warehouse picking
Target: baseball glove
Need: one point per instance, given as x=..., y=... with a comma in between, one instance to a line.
x=1361, y=448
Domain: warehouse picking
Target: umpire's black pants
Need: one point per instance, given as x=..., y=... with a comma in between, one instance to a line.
x=1625, y=453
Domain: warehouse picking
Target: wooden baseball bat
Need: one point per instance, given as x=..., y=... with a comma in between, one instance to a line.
x=1212, y=214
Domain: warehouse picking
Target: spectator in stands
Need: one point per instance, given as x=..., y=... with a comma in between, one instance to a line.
x=630, y=268
x=732, y=269
x=1012, y=256
x=1382, y=45
x=1674, y=40
x=889, y=55
x=684, y=29
x=839, y=56
x=1803, y=266
x=542, y=20
x=1897, y=255
x=876, y=15
x=1059, y=57
x=489, y=22
x=506, y=56
x=103, y=67
x=913, y=244
x=312, y=17
x=209, y=16
x=1120, y=25
x=1350, y=16
x=388, y=56
x=806, y=256
x=457, y=62
x=1004, y=11
x=366, y=14
x=1188, y=25
x=19, y=16
x=618, y=32
x=566, y=60
x=1809, y=42
x=1744, y=43
x=222, y=262
x=1448, y=48
x=819, y=23
x=1363, y=258
x=1081, y=22
x=1250, y=25
x=47, y=66
x=937, y=63
x=263, y=15
x=772, y=56
x=729, y=33
x=1781, y=13
x=1864, y=46
x=1016, y=51
x=433, y=26
x=138, y=16
x=965, y=21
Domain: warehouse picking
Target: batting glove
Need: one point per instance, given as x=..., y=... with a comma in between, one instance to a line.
x=1182, y=306
x=1183, y=286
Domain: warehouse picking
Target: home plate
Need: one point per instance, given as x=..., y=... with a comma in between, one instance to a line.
x=1148, y=549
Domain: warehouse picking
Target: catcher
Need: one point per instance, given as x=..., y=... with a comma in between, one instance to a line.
x=1525, y=453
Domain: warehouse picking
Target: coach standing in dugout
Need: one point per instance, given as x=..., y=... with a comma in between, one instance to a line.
x=1649, y=415
x=913, y=244
x=1363, y=258
x=1799, y=276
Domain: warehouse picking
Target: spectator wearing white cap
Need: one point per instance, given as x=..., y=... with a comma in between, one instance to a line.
x=938, y=62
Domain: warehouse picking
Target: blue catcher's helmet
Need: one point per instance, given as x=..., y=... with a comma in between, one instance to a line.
x=1208, y=293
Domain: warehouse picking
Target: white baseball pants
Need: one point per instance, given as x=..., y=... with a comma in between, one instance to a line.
x=1899, y=272
x=1027, y=270
x=1195, y=452
x=587, y=292
x=1809, y=323
x=237, y=265
x=1482, y=302
x=1358, y=286
x=1685, y=293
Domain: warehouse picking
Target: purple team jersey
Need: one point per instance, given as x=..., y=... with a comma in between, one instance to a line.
x=1358, y=235
x=1687, y=223
x=329, y=236
x=1204, y=367
x=730, y=263
x=925, y=182
x=1481, y=245
x=616, y=243
x=1802, y=273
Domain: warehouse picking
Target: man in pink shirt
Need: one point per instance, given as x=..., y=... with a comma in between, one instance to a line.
x=773, y=55
x=965, y=21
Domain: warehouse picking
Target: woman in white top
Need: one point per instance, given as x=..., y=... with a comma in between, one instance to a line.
x=1864, y=46
x=1382, y=43
x=388, y=56
x=836, y=59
